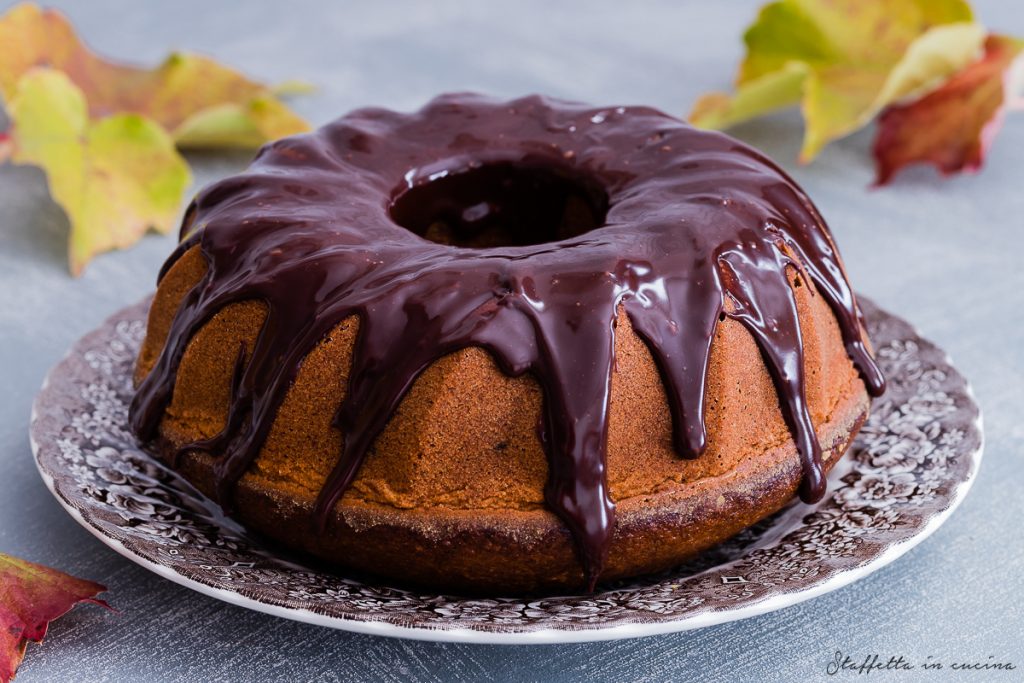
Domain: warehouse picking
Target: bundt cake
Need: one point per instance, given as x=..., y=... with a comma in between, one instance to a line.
x=504, y=347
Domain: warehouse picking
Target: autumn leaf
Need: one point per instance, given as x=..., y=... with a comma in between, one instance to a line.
x=843, y=61
x=115, y=177
x=953, y=126
x=201, y=102
x=246, y=125
x=105, y=133
x=31, y=596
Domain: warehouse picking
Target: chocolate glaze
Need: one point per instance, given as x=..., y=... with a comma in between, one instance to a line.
x=688, y=227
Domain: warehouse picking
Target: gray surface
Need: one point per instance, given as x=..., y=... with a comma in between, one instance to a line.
x=943, y=254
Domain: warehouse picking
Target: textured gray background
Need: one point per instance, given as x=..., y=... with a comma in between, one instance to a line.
x=946, y=255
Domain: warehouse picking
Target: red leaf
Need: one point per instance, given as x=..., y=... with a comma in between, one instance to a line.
x=31, y=596
x=951, y=127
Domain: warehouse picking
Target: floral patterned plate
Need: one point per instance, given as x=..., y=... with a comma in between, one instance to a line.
x=912, y=464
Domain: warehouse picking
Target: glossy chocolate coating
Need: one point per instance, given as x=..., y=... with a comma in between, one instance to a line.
x=555, y=214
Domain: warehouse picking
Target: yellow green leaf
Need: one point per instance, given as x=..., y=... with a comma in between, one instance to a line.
x=115, y=178
x=766, y=93
x=292, y=87
x=844, y=61
x=236, y=125
x=841, y=99
x=179, y=94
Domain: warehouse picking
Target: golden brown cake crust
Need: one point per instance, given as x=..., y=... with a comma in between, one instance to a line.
x=523, y=552
x=456, y=479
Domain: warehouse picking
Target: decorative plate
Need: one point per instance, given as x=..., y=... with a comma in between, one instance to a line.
x=912, y=464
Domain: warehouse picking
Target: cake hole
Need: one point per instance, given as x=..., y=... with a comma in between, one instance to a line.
x=501, y=204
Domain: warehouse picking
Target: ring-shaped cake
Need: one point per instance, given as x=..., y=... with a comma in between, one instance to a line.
x=507, y=347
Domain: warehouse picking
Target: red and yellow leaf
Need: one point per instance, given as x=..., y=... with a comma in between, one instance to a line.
x=843, y=61
x=105, y=133
x=31, y=596
x=953, y=126
x=180, y=94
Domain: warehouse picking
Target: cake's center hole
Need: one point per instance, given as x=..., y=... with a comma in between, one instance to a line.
x=502, y=204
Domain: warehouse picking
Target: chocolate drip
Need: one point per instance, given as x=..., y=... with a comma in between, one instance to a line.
x=696, y=226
